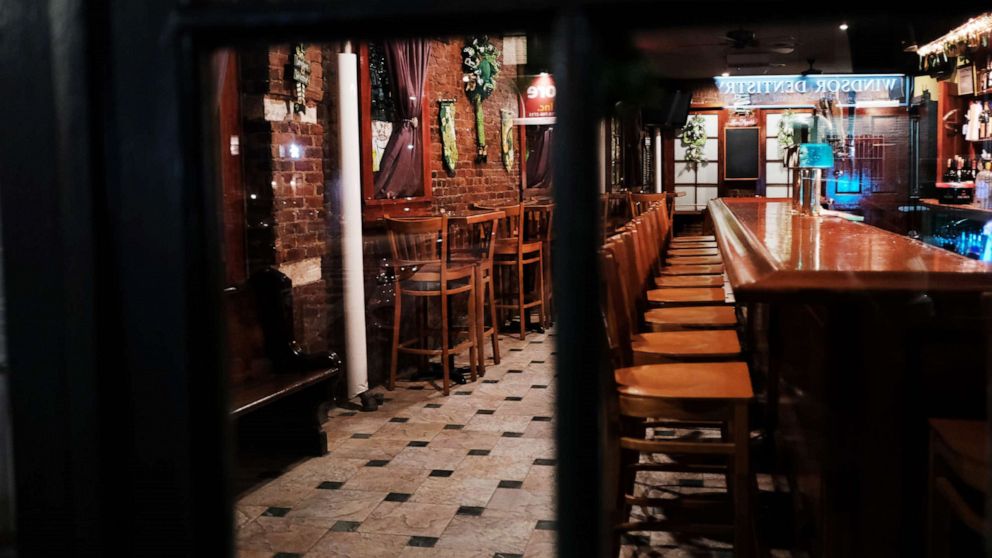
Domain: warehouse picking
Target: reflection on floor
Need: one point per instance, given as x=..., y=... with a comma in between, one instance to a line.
x=469, y=475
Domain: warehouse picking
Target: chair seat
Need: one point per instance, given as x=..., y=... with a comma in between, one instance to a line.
x=693, y=252
x=428, y=277
x=691, y=269
x=688, y=281
x=707, y=294
x=681, y=260
x=701, y=380
x=685, y=344
x=509, y=247
x=713, y=316
x=694, y=238
x=964, y=443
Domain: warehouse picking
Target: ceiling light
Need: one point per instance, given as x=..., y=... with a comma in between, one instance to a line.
x=725, y=74
x=843, y=27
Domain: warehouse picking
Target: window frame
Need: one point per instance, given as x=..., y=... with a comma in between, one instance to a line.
x=375, y=208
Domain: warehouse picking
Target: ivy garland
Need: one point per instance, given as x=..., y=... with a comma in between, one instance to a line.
x=694, y=140
x=481, y=66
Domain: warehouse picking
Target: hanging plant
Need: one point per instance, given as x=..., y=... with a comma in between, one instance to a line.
x=693, y=138
x=480, y=63
x=786, y=133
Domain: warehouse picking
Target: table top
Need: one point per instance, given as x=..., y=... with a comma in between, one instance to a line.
x=769, y=252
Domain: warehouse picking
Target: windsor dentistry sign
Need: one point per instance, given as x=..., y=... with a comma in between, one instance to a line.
x=785, y=91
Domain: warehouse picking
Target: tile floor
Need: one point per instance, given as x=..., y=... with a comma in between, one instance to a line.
x=468, y=475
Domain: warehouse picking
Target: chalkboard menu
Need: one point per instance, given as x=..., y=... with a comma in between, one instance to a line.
x=741, y=155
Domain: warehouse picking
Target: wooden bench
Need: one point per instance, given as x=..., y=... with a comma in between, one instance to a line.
x=279, y=394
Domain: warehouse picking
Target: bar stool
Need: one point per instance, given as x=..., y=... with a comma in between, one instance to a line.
x=958, y=466
x=514, y=253
x=654, y=395
x=693, y=252
x=538, y=221
x=474, y=242
x=691, y=269
x=693, y=238
x=694, y=260
x=664, y=346
x=640, y=202
x=419, y=249
x=688, y=281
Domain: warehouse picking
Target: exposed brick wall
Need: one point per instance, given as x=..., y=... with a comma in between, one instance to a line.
x=472, y=182
x=295, y=213
x=286, y=212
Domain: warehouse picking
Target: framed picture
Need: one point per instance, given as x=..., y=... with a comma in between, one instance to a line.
x=966, y=80
x=983, y=81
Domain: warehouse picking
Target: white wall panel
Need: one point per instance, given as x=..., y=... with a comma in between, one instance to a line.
x=688, y=200
x=776, y=173
x=778, y=192
x=711, y=150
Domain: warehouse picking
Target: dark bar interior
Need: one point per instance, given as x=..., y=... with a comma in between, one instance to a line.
x=400, y=279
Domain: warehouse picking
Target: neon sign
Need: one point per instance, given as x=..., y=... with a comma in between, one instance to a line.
x=804, y=91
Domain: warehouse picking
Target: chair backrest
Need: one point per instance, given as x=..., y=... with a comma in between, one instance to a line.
x=639, y=203
x=477, y=241
x=614, y=306
x=414, y=242
x=538, y=220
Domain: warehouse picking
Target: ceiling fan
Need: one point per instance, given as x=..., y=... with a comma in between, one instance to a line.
x=811, y=71
x=747, y=40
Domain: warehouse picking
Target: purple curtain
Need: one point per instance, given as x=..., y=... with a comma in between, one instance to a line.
x=539, y=162
x=401, y=169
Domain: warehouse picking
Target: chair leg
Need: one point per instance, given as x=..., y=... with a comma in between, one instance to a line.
x=743, y=524
x=540, y=291
x=397, y=316
x=492, y=317
x=480, y=320
x=520, y=298
x=445, y=365
x=474, y=331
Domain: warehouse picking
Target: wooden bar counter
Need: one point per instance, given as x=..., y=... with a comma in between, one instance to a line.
x=858, y=336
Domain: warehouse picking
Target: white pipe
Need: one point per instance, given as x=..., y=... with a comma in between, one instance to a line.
x=351, y=225
x=657, y=161
x=601, y=156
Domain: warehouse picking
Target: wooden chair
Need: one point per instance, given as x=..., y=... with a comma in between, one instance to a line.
x=474, y=243
x=691, y=269
x=653, y=395
x=693, y=252
x=538, y=227
x=693, y=238
x=655, y=346
x=694, y=260
x=514, y=253
x=959, y=471
x=687, y=281
x=420, y=256
x=640, y=202
x=691, y=317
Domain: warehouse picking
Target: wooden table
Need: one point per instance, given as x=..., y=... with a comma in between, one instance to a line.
x=859, y=336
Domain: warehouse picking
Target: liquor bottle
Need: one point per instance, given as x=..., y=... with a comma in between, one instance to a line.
x=949, y=171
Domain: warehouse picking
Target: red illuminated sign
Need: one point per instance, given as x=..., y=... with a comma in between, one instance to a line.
x=538, y=94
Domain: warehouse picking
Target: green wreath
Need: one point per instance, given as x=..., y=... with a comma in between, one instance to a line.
x=481, y=67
